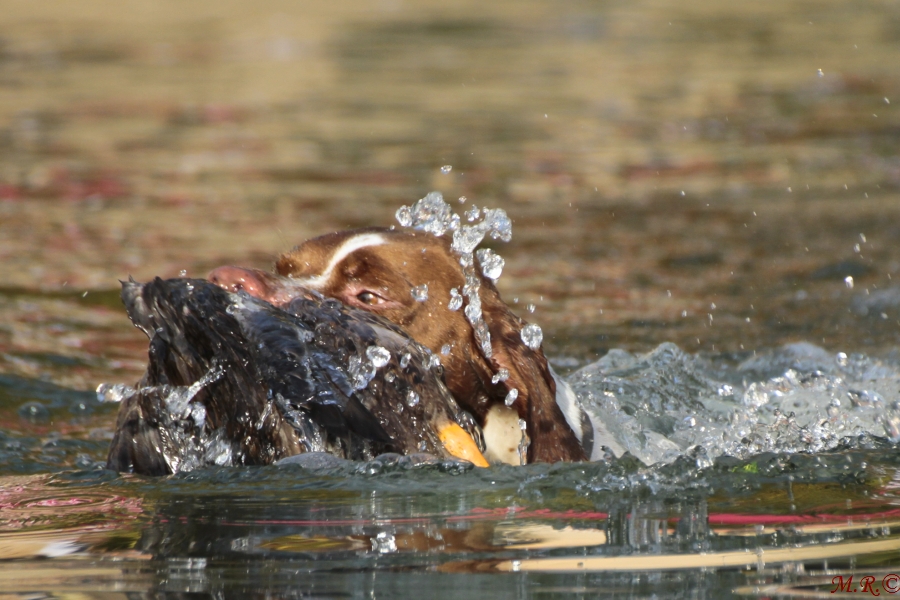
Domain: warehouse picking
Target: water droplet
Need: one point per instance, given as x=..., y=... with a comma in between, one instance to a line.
x=182, y=273
x=404, y=216
x=379, y=356
x=848, y=280
x=473, y=213
x=420, y=292
x=434, y=361
x=412, y=398
x=841, y=359
x=34, y=412
x=494, y=221
x=361, y=372
x=500, y=224
x=501, y=375
x=473, y=312
x=511, y=397
x=115, y=392
x=821, y=73
x=462, y=199
x=446, y=169
x=515, y=566
x=384, y=543
x=530, y=307
x=390, y=376
x=404, y=360
x=532, y=336
x=429, y=214
x=491, y=263
x=456, y=299
x=464, y=242
x=445, y=349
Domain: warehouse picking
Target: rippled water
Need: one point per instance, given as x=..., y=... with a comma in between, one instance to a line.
x=704, y=199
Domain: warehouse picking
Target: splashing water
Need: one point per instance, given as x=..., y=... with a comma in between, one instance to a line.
x=361, y=371
x=667, y=404
x=491, y=263
x=456, y=300
x=420, y=293
x=114, y=392
x=429, y=214
x=532, y=335
x=433, y=215
x=379, y=356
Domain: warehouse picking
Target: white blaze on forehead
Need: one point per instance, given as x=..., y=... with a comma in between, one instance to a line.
x=350, y=245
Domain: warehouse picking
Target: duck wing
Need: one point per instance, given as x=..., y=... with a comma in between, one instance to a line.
x=232, y=379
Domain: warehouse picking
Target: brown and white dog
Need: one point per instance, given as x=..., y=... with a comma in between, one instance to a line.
x=376, y=269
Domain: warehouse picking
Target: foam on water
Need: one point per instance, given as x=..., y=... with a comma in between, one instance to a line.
x=666, y=404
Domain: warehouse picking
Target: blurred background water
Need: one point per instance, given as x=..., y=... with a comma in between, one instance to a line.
x=722, y=176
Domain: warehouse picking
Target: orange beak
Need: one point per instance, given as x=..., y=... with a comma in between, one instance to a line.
x=461, y=445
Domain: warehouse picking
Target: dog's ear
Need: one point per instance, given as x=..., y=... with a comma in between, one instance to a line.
x=552, y=440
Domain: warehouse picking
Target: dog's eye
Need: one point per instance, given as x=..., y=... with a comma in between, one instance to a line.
x=369, y=298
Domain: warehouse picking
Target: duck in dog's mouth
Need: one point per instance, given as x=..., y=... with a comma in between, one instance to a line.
x=416, y=280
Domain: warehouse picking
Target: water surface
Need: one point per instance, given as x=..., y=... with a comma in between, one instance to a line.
x=721, y=177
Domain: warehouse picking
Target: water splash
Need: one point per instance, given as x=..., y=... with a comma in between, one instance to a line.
x=420, y=292
x=491, y=263
x=532, y=336
x=379, y=356
x=114, y=392
x=433, y=215
x=456, y=300
x=668, y=404
x=430, y=214
x=361, y=371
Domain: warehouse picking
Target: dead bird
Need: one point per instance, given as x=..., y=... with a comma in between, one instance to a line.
x=235, y=380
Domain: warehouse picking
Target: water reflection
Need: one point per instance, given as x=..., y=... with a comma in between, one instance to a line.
x=289, y=530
